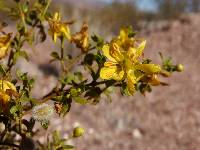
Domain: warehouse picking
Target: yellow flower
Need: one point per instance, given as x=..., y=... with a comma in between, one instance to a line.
x=5, y=86
x=58, y=28
x=124, y=62
x=81, y=38
x=5, y=41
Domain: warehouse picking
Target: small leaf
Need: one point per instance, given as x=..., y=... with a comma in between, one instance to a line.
x=2, y=70
x=79, y=76
x=80, y=100
x=24, y=98
x=65, y=109
x=68, y=147
x=55, y=55
x=45, y=125
x=89, y=58
x=100, y=59
x=15, y=109
x=25, y=7
x=98, y=40
x=20, y=54
x=56, y=137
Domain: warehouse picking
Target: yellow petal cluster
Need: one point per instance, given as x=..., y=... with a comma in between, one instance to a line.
x=5, y=41
x=123, y=63
x=81, y=39
x=58, y=28
x=4, y=94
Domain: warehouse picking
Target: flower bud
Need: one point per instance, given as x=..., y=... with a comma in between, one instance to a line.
x=180, y=67
x=78, y=131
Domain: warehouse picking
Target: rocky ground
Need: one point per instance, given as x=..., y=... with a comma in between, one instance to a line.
x=166, y=119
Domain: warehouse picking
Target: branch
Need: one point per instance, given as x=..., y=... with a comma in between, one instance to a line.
x=9, y=144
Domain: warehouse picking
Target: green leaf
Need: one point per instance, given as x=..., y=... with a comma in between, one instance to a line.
x=89, y=58
x=55, y=55
x=27, y=83
x=15, y=109
x=25, y=7
x=75, y=92
x=78, y=76
x=100, y=59
x=56, y=137
x=80, y=100
x=24, y=98
x=65, y=109
x=20, y=54
x=2, y=70
x=45, y=125
x=68, y=147
x=68, y=79
x=98, y=40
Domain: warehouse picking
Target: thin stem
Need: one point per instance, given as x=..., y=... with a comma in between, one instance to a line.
x=62, y=48
x=46, y=8
x=9, y=144
x=22, y=16
x=94, y=83
x=62, y=54
x=9, y=63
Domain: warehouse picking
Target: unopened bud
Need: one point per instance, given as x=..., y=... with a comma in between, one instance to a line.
x=180, y=67
x=78, y=131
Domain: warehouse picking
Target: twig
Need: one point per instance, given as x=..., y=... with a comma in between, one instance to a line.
x=9, y=144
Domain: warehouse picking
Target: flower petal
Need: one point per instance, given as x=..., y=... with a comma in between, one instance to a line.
x=131, y=81
x=140, y=48
x=5, y=41
x=112, y=72
x=4, y=99
x=4, y=85
x=55, y=35
x=115, y=52
x=56, y=16
x=123, y=35
x=135, y=53
x=154, y=80
x=65, y=30
x=148, y=68
x=106, y=49
x=110, y=63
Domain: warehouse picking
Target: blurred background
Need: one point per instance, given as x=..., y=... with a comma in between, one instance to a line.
x=166, y=119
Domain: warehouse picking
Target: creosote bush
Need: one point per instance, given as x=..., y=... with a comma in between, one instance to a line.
x=118, y=63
